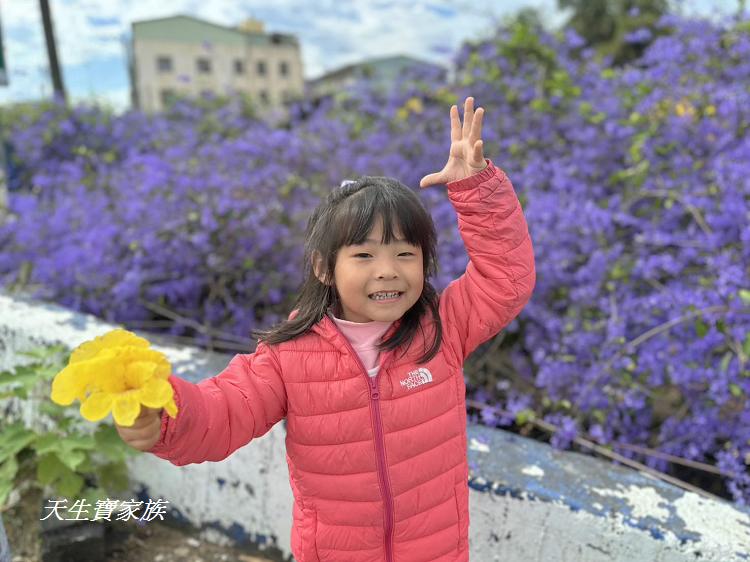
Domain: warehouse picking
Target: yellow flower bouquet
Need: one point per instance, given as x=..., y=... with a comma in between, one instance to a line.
x=115, y=372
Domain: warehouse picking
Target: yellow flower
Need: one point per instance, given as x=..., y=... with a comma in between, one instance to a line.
x=684, y=108
x=412, y=105
x=115, y=372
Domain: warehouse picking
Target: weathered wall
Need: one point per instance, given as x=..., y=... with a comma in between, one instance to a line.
x=527, y=501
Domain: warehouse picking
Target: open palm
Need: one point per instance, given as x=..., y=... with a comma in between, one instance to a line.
x=466, y=156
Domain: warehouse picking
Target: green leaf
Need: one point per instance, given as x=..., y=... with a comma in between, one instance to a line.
x=53, y=410
x=53, y=472
x=49, y=469
x=115, y=476
x=746, y=345
x=541, y=105
x=110, y=444
x=5, y=489
x=44, y=352
x=72, y=458
x=70, y=449
x=745, y=296
x=23, y=375
x=525, y=416
x=13, y=438
x=70, y=484
x=700, y=327
x=8, y=471
x=735, y=390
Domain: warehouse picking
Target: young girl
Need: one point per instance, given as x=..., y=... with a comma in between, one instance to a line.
x=367, y=370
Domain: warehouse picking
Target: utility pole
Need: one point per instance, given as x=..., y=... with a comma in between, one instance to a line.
x=3, y=69
x=54, y=66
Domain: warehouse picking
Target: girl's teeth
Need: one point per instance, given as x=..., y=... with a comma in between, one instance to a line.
x=384, y=296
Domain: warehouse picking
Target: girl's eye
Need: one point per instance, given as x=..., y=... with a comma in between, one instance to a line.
x=366, y=255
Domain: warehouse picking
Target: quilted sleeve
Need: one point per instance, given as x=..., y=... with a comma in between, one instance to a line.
x=500, y=276
x=219, y=415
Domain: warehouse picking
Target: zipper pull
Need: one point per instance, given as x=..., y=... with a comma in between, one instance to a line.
x=374, y=394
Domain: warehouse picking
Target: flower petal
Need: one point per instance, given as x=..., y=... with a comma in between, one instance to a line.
x=96, y=406
x=69, y=384
x=126, y=408
x=171, y=408
x=113, y=338
x=156, y=393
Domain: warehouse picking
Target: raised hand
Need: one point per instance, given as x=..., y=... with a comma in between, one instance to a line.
x=466, y=157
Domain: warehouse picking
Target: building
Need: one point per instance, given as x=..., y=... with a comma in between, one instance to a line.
x=185, y=56
x=383, y=72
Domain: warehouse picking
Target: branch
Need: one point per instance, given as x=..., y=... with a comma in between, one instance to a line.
x=588, y=444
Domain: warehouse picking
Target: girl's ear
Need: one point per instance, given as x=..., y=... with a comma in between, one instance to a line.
x=319, y=268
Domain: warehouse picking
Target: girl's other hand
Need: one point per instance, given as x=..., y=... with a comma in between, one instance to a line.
x=466, y=157
x=145, y=431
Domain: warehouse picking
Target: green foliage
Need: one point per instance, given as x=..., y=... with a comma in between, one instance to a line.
x=14, y=114
x=604, y=24
x=61, y=458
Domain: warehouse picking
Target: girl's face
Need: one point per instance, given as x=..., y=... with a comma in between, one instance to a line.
x=364, y=274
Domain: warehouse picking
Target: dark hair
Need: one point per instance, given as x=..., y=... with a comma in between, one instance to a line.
x=345, y=217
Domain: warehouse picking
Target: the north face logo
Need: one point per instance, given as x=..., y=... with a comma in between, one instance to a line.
x=417, y=377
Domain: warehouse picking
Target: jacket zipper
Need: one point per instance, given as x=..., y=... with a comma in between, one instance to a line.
x=385, y=485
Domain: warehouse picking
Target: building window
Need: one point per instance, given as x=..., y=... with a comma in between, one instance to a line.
x=239, y=66
x=261, y=68
x=164, y=64
x=168, y=97
x=284, y=68
x=264, y=96
x=204, y=65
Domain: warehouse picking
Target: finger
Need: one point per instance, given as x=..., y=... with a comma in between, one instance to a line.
x=143, y=445
x=468, y=116
x=478, y=155
x=455, y=124
x=476, y=126
x=431, y=179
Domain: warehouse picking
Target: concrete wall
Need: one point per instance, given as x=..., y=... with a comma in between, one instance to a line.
x=4, y=549
x=528, y=501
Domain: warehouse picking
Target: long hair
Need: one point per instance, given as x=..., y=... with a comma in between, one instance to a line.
x=345, y=217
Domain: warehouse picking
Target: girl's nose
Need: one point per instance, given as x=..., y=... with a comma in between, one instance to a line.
x=386, y=270
x=387, y=274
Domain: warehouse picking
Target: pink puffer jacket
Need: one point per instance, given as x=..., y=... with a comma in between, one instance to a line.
x=378, y=467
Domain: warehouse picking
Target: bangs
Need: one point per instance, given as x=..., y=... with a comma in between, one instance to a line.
x=398, y=207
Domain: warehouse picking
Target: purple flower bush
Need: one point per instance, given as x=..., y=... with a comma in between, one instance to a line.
x=634, y=181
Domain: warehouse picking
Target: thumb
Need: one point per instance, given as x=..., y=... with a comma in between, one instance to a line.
x=431, y=179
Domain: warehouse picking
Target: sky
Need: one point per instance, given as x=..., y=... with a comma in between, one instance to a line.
x=91, y=34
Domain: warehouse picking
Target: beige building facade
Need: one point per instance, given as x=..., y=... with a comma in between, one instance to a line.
x=186, y=56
